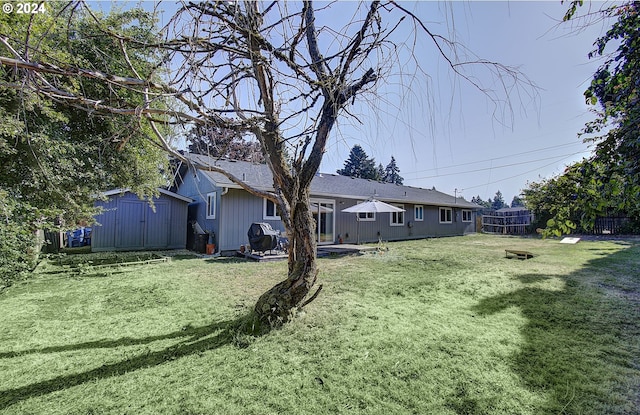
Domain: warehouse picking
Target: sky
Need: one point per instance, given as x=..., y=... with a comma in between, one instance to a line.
x=445, y=133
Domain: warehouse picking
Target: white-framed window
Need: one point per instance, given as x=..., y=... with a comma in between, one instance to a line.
x=466, y=215
x=366, y=216
x=446, y=215
x=418, y=213
x=270, y=210
x=397, y=218
x=211, y=205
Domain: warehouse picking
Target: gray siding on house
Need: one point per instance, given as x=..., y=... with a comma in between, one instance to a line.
x=236, y=209
x=197, y=186
x=381, y=228
x=240, y=209
x=129, y=224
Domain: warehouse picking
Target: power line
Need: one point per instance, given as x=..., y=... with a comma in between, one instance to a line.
x=496, y=158
x=513, y=177
x=497, y=167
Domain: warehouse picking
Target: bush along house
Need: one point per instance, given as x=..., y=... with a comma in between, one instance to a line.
x=222, y=208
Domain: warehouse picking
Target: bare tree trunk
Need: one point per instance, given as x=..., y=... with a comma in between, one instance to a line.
x=276, y=305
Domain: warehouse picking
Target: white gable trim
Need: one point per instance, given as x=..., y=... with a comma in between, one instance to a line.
x=162, y=191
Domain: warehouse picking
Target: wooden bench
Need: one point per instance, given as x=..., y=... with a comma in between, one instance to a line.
x=519, y=254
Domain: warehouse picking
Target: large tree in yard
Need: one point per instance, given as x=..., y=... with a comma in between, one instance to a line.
x=283, y=72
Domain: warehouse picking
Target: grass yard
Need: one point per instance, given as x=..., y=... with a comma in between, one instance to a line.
x=441, y=326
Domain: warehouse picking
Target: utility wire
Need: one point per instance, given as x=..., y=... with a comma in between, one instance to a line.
x=512, y=177
x=495, y=158
x=498, y=167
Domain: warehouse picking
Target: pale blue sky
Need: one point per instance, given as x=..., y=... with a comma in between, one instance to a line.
x=443, y=132
x=455, y=144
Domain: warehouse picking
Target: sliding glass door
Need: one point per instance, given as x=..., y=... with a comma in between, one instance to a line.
x=323, y=214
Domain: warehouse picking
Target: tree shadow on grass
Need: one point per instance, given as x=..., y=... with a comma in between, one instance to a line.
x=238, y=332
x=581, y=341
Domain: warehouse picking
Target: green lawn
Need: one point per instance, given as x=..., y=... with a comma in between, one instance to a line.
x=441, y=326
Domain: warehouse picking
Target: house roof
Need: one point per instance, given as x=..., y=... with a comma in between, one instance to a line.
x=330, y=185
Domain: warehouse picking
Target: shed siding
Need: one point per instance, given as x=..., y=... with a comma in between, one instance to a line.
x=157, y=224
x=103, y=234
x=129, y=224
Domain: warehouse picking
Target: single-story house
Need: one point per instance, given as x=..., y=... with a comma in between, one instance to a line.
x=128, y=223
x=224, y=208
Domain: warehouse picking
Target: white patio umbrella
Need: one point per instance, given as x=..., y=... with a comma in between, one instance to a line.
x=370, y=206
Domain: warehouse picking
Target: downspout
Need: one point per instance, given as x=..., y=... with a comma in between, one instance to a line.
x=225, y=190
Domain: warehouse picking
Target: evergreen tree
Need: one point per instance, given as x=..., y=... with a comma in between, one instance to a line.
x=380, y=171
x=477, y=200
x=517, y=202
x=359, y=165
x=391, y=173
x=498, y=201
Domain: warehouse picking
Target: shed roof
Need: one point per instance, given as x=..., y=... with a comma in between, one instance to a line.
x=330, y=185
x=162, y=191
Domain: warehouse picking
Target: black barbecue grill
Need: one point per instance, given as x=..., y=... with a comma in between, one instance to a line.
x=262, y=237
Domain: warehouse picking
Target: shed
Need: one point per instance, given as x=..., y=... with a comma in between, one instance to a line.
x=128, y=223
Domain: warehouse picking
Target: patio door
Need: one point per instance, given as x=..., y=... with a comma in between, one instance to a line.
x=324, y=215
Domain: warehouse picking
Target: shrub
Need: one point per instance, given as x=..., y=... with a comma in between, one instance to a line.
x=18, y=242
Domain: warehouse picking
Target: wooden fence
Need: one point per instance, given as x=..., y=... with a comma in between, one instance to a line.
x=507, y=223
x=609, y=225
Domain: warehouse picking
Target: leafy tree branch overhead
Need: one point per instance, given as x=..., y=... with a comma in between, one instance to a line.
x=283, y=72
x=608, y=182
x=54, y=157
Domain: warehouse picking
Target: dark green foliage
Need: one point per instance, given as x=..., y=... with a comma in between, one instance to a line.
x=55, y=157
x=615, y=88
x=392, y=173
x=359, y=165
x=478, y=200
x=498, y=201
x=573, y=200
x=17, y=241
x=517, y=202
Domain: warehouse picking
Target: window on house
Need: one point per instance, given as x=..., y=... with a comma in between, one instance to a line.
x=446, y=215
x=270, y=210
x=366, y=216
x=211, y=205
x=466, y=216
x=418, y=213
x=397, y=218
